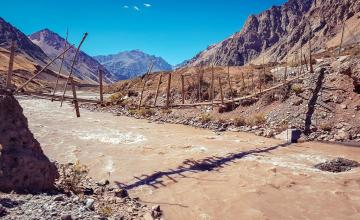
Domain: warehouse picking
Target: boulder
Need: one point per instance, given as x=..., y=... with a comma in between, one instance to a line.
x=23, y=165
x=289, y=135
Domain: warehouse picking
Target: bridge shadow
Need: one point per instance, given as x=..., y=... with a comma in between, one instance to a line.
x=313, y=100
x=208, y=164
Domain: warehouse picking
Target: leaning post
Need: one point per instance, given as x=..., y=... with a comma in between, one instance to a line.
x=182, y=89
x=11, y=65
x=101, y=86
x=75, y=97
x=168, y=91
x=157, y=90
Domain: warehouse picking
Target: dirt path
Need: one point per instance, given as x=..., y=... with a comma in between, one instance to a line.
x=198, y=174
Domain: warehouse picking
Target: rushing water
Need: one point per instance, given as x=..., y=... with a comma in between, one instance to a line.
x=195, y=173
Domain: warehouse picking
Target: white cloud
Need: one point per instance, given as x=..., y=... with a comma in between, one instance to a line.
x=126, y=7
x=136, y=8
x=147, y=5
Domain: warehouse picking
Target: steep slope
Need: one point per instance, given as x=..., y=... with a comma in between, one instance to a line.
x=86, y=68
x=281, y=29
x=8, y=33
x=129, y=64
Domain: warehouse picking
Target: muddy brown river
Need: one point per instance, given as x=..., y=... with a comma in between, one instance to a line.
x=198, y=174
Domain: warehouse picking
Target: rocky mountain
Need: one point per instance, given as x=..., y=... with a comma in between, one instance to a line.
x=129, y=64
x=86, y=67
x=8, y=33
x=283, y=29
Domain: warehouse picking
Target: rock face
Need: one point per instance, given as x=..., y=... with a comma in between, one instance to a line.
x=23, y=165
x=281, y=29
x=53, y=44
x=9, y=33
x=130, y=64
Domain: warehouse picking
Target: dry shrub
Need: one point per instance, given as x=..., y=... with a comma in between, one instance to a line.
x=166, y=111
x=297, y=89
x=326, y=126
x=72, y=177
x=146, y=112
x=257, y=119
x=116, y=97
x=239, y=121
x=105, y=211
x=205, y=118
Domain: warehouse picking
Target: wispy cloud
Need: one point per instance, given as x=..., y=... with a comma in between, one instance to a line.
x=126, y=6
x=147, y=5
x=136, y=8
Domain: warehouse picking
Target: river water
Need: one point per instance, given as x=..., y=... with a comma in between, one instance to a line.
x=196, y=173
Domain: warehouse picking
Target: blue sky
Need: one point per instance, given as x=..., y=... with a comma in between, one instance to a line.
x=173, y=29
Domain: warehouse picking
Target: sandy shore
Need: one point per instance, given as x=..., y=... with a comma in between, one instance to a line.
x=243, y=176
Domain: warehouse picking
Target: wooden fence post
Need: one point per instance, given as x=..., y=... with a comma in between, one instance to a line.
x=144, y=84
x=168, y=91
x=301, y=61
x=11, y=64
x=306, y=64
x=61, y=65
x=212, y=84
x=72, y=66
x=101, y=86
x=229, y=82
x=199, y=84
x=157, y=90
x=75, y=97
x=221, y=92
x=182, y=89
x=342, y=38
x=310, y=55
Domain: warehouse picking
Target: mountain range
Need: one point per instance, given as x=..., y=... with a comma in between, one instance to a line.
x=130, y=64
x=282, y=30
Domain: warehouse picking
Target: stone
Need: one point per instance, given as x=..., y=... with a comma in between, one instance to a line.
x=156, y=211
x=343, y=106
x=2, y=210
x=289, y=135
x=66, y=217
x=89, y=204
x=342, y=135
x=103, y=183
x=121, y=193
x=59, y=198
x=23, y=165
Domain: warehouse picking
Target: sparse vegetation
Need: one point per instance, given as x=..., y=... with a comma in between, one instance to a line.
x=166, y=111
x=105, y=211
x=297, y=89
x=73, y=175
x=326, y=126
x=205, y=118
x=257, y=119
x=239, y=121
x=116, y=97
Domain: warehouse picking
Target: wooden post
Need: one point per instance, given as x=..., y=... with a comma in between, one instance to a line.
x=229, y=82
x=342, y=38
x=310, y=55
x=212, y=84
x=286, y=66
x=301, y=61
x=144, y=84
x=168, y=91
x=306, y=65
x=75, y=98
x=221, y=92
x=264, y=73
x=72, y=66
x=61, y=65
x=44, y=68
x=157, y=90
x=252, y=81
x=11, y=64
x=243, y=79
x=101, y=85
x=183, y=89
x=260, y=81
x=199, y=84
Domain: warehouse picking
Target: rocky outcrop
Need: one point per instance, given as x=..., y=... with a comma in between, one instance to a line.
x=8, y=33
x=280, y=30
x=23, y=165
x=130, y=64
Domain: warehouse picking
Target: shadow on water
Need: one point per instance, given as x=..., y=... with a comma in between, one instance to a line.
x=207, y=164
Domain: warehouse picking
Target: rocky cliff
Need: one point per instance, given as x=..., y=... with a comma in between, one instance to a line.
x=281, y=30
x=23, y=165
